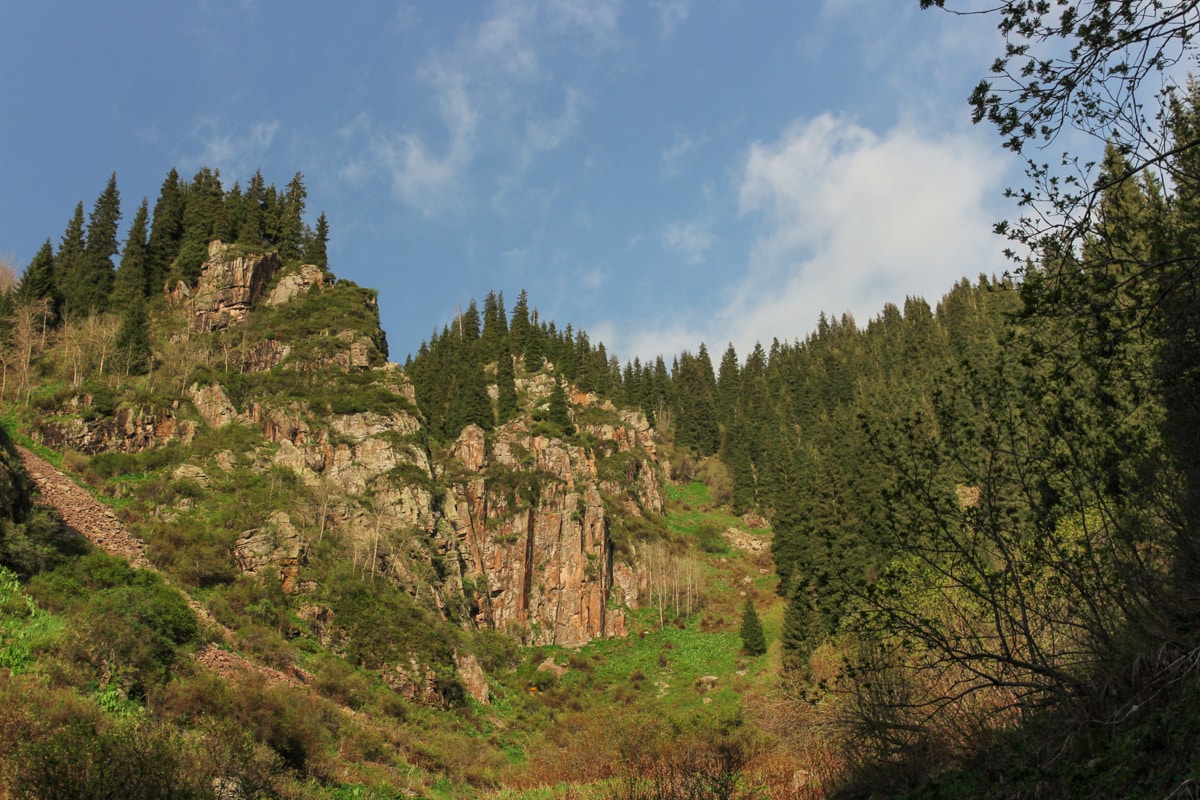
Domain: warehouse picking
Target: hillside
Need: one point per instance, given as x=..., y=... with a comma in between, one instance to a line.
x=247, y=555
x=275, y=528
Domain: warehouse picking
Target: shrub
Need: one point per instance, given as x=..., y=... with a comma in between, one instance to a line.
x=709, y=537
x=140, y=620
x=137, y=761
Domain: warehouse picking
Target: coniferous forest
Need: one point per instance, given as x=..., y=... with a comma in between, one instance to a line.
x=949, y=551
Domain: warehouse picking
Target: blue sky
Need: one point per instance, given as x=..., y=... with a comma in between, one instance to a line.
x=659, y=172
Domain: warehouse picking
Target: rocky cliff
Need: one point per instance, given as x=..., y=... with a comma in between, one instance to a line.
x=508, y=530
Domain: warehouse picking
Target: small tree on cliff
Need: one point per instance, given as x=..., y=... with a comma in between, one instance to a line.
x=754, y=641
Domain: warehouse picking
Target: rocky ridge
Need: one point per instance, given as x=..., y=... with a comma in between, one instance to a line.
x=508, y=531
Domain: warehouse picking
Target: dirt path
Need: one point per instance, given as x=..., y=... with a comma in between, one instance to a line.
x=96, y=522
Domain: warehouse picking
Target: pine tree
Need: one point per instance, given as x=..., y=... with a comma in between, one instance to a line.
x=133, y=339
x=728, y=386
x=754, y=640
x=250, y=234
x=203, y=215
x=37, y=282
x=316, y=247
x=695, y=416
x=166, y=230
x=130, y=284
x=518, y=328
x=495, y=329
x=291, y=231
x=506, y=385
x=95, y=286
x=558, y=413
x=69, y=266
x=534, y=345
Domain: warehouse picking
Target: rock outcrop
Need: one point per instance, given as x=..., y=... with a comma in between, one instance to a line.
x=295, y=283
x=533, y=532
x=230, y=284
x=127, y=430
x=277, y=544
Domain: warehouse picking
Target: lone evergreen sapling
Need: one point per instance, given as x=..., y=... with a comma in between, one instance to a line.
x=754, y=641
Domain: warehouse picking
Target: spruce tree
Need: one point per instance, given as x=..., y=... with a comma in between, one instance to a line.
x=166, y=231
x=203, y=215
x=131, y=284
x=250, y=234
x=754, y=640
x=495, y=328
x=534, y=345
x=518, y=328
x=728, y=386
x=235, y=214
x=37, y=282
x=559, y=414
x=506, y=385
x=133, y=339
x=92, y=294
x=69, y=266
x=316, y=247
x=291, y=232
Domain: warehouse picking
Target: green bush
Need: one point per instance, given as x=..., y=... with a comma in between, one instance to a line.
x=133, y=761
x=140, y=620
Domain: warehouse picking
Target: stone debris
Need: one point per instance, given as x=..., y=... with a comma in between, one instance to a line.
x=82, y=513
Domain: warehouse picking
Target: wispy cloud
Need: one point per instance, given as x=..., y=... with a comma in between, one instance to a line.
x=671, y=14
x=497, y=101
x=690, y=239
x=673, y=157
x=847, y=220
x=852, y=220
x=235, y=149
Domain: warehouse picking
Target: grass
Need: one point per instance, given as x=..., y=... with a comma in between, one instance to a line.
x=24, y=628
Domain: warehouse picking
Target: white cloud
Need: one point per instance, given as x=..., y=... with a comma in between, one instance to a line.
x=848, y=220
x=671, y=14
x=494, y=97
x=691, y=240
x=235, y=150
x=853, y=220
x=674, y=156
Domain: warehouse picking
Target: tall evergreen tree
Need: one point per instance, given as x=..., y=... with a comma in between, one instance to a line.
x=695, y=416
x=37, y=282
x=203, y=216
x=518, y=328
x=728, y=386
x=291, y=232
x=235, y=214
x=558, y=413
x=99, y=249
x=506, y=387
x=494, y=338
x=69, y=266
x=250, y=234
x=133, y=338
x=316, y=247
x=131, y=283
x=166, y=230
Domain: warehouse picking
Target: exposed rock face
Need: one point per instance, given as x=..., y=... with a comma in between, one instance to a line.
x=262, y=356
x=416, y=682
x=533, y=535
x=295, y=283
x=229, y=285
x=277, y=544
x=128, y=430
x=472, y=677
x=212, y=405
